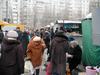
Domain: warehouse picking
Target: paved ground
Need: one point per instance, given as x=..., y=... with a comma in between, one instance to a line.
x=42, y=71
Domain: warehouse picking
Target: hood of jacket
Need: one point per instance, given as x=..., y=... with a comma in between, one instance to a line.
x=32, y=45
x=60, y=37
x=8, y=45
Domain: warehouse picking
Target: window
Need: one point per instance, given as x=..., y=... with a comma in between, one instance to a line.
x=16, y=0
x=25, y=0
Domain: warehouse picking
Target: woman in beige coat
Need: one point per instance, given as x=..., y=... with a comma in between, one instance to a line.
x=35, y=51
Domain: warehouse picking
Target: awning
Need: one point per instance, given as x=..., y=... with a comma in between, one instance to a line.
x=3, y=23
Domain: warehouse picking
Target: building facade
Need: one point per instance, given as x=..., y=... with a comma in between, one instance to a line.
x=74, y=9
x=39, y=13
x=93, y=5
x=10, y=11
x=26, y=12
x=15, y=11
x=85, y=7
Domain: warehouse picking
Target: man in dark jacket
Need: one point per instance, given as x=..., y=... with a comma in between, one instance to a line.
x=12, y=58
x=59, y=47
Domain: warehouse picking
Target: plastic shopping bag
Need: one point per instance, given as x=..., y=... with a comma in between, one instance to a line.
x=28, y=67
x=48, y=69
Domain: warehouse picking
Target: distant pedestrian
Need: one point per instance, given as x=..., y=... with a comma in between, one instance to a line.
x=1, y=36
x=12, y=55
x=59, y=47
x=19, y=34
x=47, y=40
x=76, y=52
x=25, y=40
x=56, y=30
x=37, y=33
x=42, y=31
x=35, y=52
x=52, y=33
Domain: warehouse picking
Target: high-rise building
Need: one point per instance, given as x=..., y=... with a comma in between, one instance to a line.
x=59, y=8
x=85, y=8
x=88, y=6
x=32, y=13
x=74, y=9
x=10, y=10
x=27, y=12
x=5, y=10
x=15, y=11
x=93, y=5
x=37, y=13
x=0, y=9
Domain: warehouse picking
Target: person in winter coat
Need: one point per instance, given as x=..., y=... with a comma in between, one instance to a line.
x=59, y=47
x=47, y=40
x=19, y=33
x=1, y=36
x=25, y=41
x=76, y=52
x=35, y=51
x=12, y=55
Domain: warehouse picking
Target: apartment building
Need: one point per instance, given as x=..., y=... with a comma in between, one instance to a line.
x=74, y=9
x=10, y=11
x=15, y=8
x=27, y=12
x=85, y=7
x=93, y=5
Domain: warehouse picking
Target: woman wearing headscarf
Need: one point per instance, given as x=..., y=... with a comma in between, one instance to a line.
x=35, y=51
x=76, y=52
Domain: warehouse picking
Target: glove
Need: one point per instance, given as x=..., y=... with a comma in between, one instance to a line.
x=69, y=55
x=27, y=59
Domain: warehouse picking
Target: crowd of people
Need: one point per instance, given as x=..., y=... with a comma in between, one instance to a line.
x=17, y=45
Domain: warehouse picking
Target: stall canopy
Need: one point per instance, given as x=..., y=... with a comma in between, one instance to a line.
x=3, y=23
x=8, y=27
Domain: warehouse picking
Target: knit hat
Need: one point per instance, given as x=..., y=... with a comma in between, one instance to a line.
x=12, y=34
x=36, y=38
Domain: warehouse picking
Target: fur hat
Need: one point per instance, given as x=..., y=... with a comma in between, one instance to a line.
x=12, y=34
x=36, y=38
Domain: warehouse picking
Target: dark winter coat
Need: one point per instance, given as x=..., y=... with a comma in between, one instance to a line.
x=12, y=59
x=59, y=47
x=19, y=35
x=47, y=40
x=1, y=36
x=77, y=53
x=25, y=40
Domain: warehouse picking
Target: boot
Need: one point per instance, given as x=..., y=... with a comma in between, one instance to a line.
x=37, y=71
